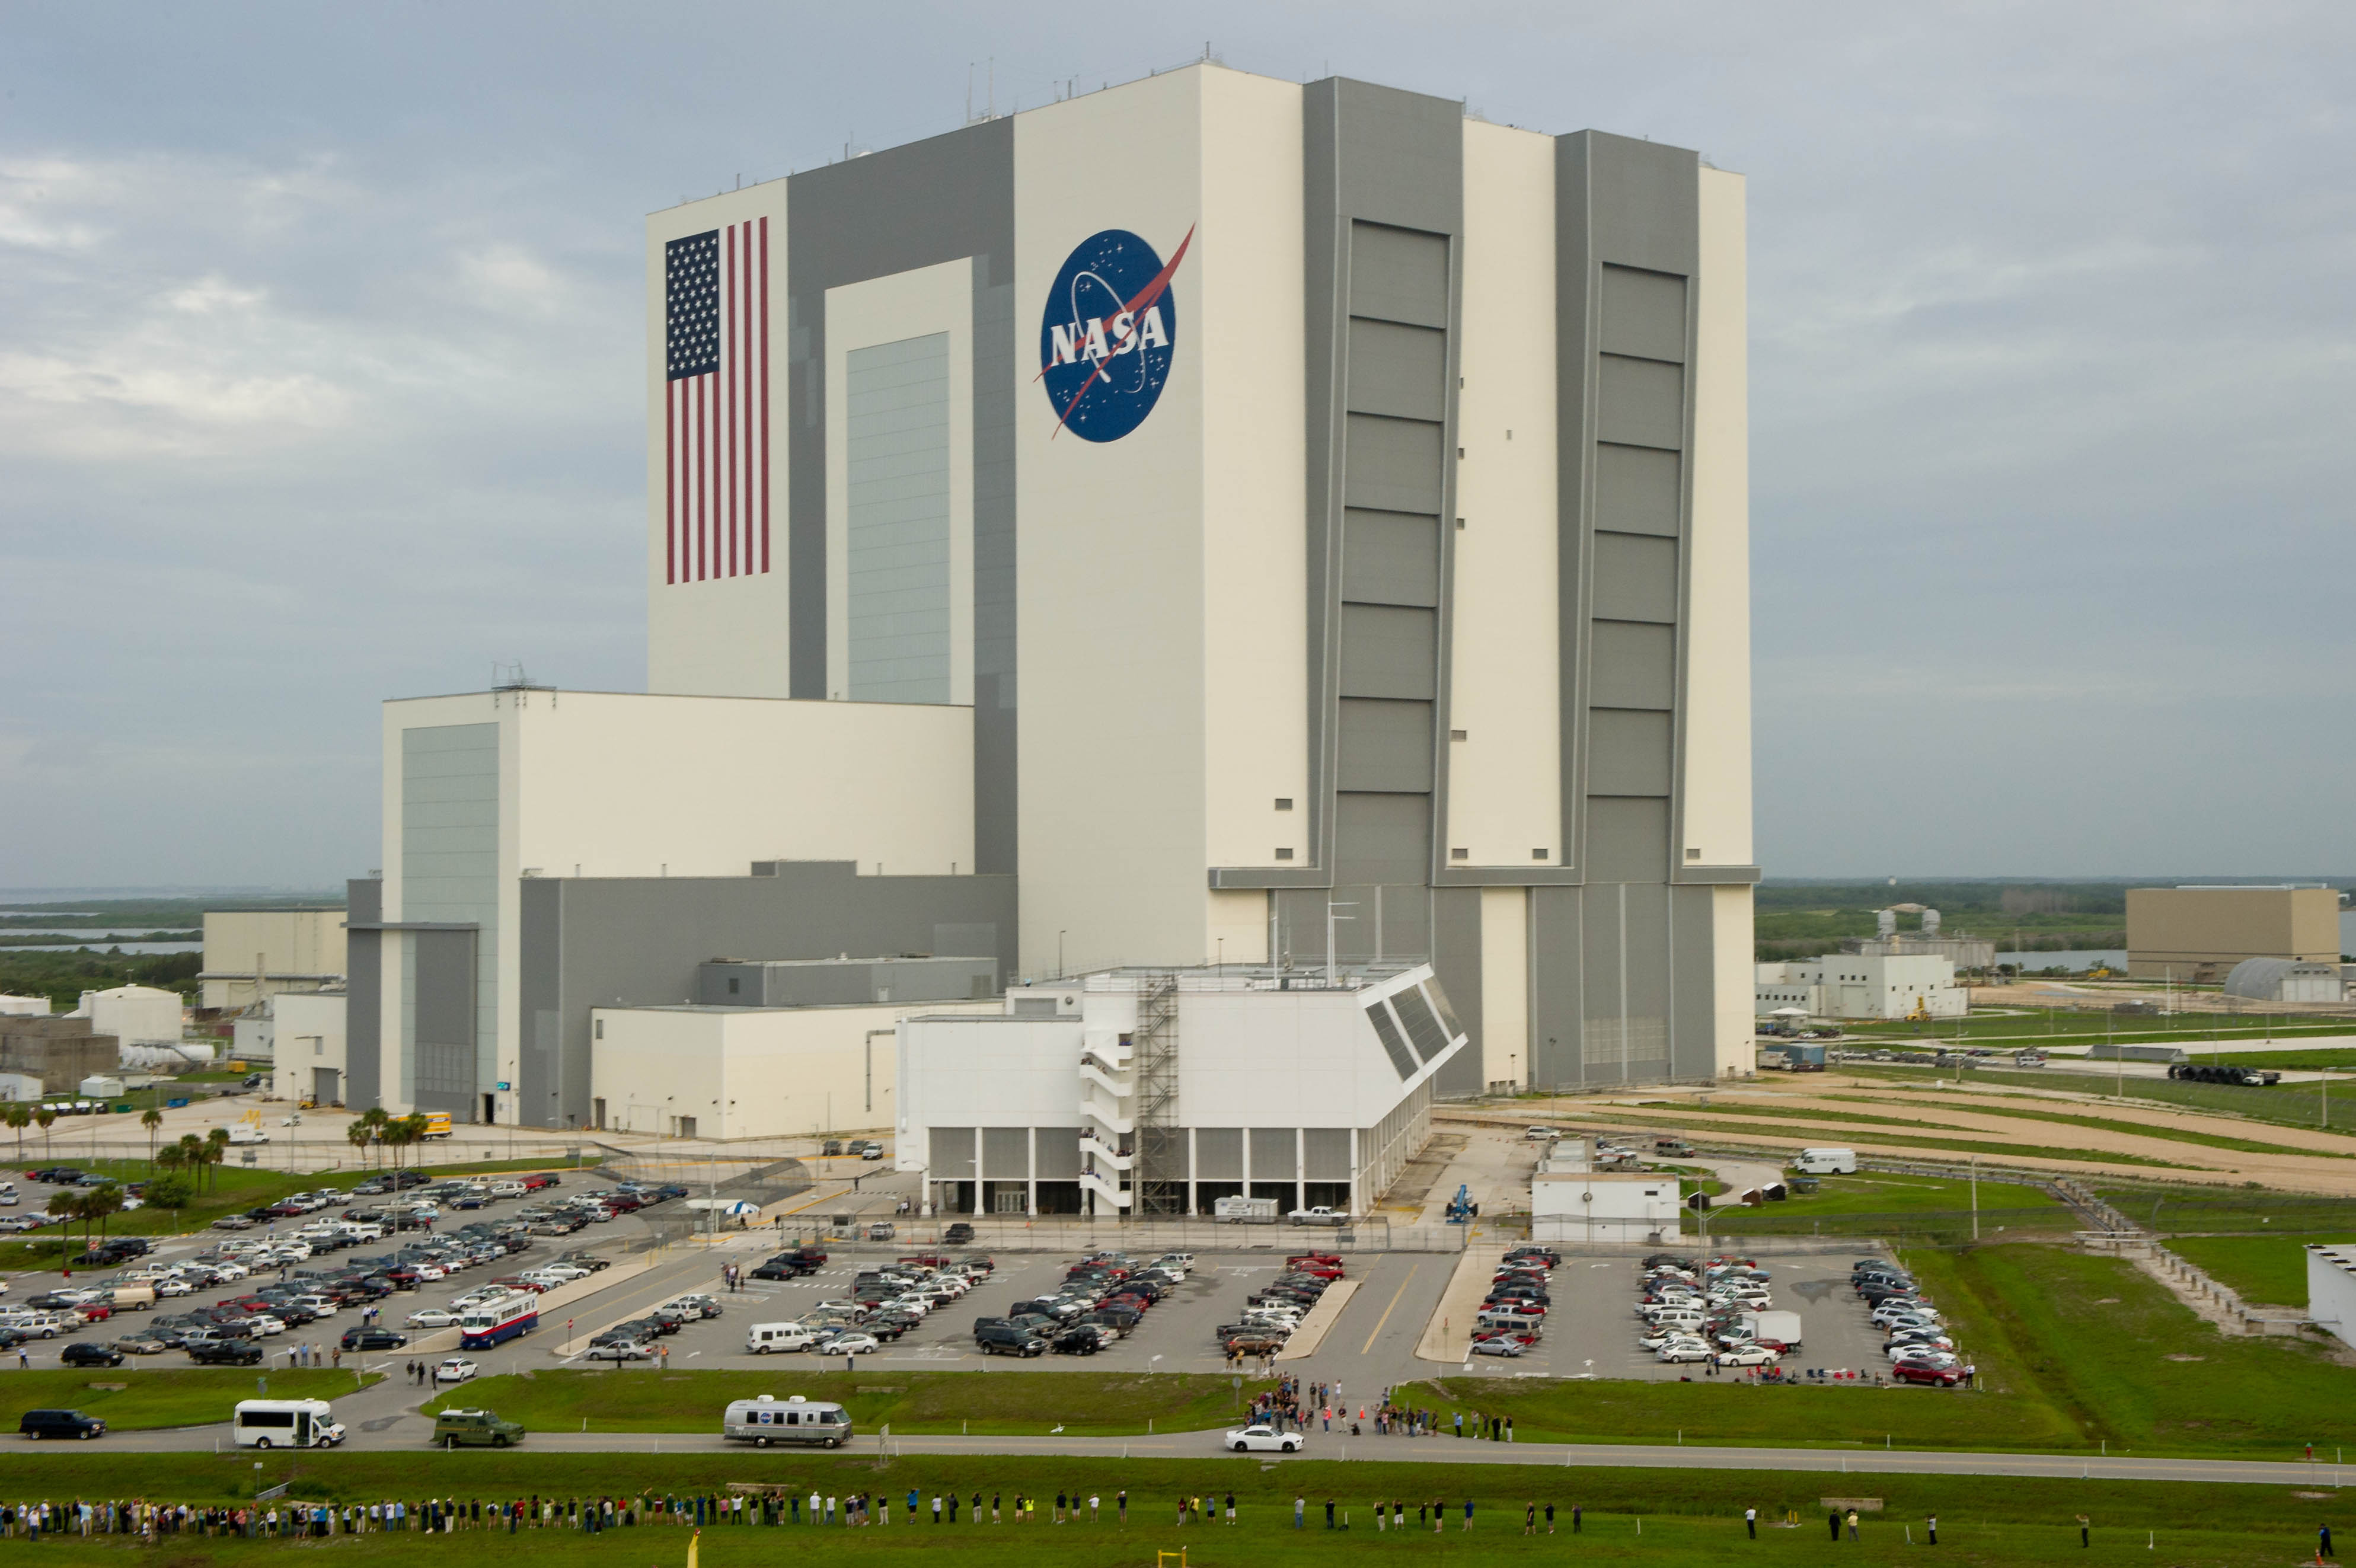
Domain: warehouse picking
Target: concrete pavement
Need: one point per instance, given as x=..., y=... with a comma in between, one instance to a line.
x=1429, y=1450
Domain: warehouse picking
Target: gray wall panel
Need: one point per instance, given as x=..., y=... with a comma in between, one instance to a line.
x=1218, y=1154
x=1394, y=465
x=1381, y=839
x=1628, y=841
x=1693, y=1001
x=1633, y=666
x=1628, y=751
x=950, y=1152
x=1325, y=1154
x=540, y=1002
x=1275, y=1154
x=1385, y=746
x=1641, y=202
x=1643, y=314
x=1638, y=490
x=1399, y=371
x=1390, y=650
x=1057, y=1154
x=1397, y=274
x=1456, y=960
x=363, y=1021
x=994, y=384
x=638, y=940
x=897, y=527
x=1640, y=402
x=1556, y=969
x=1636, y=577
x=1390, y=558
x=1005, y=1153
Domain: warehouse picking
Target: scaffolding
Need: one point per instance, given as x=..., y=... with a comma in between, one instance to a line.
x=1154, y=1055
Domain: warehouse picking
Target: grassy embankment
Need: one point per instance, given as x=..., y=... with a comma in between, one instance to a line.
x=1765, y=1123
x=1639, y=1517
x=2289, y=1105
x=1914, y=1207
x=131, y=1398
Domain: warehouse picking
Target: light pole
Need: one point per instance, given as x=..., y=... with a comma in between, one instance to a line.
x=1059, y=955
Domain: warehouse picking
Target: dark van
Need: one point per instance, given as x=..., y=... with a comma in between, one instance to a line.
x=37, y=1423
x=1006, y=1339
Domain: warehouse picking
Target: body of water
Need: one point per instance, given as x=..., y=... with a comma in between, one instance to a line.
x=104, y=946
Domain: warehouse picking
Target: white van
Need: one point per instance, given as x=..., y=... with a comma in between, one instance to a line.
x=1826, y=1162
x=769, y=1419
x=763, y=1338
x=248, y=1135
x=286, y=1424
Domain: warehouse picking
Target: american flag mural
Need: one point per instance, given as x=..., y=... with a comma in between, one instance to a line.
x=716, y=396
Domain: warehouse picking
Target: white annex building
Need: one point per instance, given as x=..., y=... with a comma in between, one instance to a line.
x=1863, y=986
x=1165, y=1091
x=1212, y=520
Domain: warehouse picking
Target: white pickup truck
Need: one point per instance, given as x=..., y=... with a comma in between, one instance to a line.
x=1318, y=1214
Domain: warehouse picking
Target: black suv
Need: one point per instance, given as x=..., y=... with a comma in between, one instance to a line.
x=225, y=1353
x=1006, y=1339
x=37, y=1423
x=83, y=1353
x=373, y=1340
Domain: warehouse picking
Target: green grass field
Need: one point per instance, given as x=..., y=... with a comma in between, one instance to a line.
x=2127, y=1364
x=1767, y=1124
x=998, y=1403
x=1638, y=1517
x=2248, y=1209
x=2292, y=1106
x=1923, y=1208
x=2271, y=1270
x=164, y=1396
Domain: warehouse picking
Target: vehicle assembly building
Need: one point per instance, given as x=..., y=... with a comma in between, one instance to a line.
x=1213, y=522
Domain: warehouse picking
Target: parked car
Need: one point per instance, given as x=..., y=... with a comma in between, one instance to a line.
x=1002, y=1339
x=373, y=1340
x=87, y=1353
x=454, y=1370
x=225, y=1353
x=1936, y=1377
x=621, y=1351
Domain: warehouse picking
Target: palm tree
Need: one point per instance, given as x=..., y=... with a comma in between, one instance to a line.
x=373, y=1122
x=102, y=1202
x=358, y=1133
x=19, y=1117
x=216, y=1152
x=67, y=1204
x=48, y=1118
x=152, y=1119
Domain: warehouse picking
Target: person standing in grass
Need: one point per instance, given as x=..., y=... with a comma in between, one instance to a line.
x=1530, y=1519
x=1933, y=1522
x=1123, y=1500
x=1750, y=1522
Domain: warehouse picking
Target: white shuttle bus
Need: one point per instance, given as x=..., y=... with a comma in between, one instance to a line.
x=286, y=1424
x=769, y=1419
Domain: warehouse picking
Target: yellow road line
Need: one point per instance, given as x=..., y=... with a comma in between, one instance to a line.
x=1386, y=1311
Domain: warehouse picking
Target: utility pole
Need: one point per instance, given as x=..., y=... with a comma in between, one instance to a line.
x=1976, y=1197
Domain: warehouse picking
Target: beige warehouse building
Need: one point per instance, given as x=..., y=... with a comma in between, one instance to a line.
x=2199, y=933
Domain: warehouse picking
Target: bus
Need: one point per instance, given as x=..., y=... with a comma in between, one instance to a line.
x=496, y=1322
x=286, y=1424
x=769, y=1419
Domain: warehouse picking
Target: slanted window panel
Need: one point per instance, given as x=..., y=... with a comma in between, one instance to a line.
x=1423, y=1025
x=1394, y=1042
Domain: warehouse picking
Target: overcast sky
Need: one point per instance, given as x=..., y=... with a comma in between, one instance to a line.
x=319, y=384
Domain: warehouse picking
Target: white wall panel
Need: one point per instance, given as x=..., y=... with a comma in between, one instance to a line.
x=1718, y=645
x=725, y=635
x=1110, y=598
x=1504, y=794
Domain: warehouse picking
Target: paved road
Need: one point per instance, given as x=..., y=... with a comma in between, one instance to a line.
x=1434, y=1450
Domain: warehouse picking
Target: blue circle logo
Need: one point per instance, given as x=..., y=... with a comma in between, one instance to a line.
x=1110, y=335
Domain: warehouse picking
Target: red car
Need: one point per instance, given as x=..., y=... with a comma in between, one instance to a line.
x=1937, y=1377
x=533, y=1183
x=1316, y=1269
x=1298, y=1259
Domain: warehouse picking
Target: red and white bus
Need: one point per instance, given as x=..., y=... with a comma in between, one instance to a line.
x=496, y=1322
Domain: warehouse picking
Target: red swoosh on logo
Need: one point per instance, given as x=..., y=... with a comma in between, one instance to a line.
x=1152, y=291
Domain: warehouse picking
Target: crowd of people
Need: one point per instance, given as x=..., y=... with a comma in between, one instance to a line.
x=1298, y=1406
x=772, y=1506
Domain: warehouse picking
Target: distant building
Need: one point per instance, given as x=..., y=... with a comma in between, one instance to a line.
x=2285, y=980
x=24, y=1006
x=1862, y=986
x=2199, y=933
x=257, y=953
x=135, y=1015
x=299, y=1037
x=1571, y=1200
x=58, y=1051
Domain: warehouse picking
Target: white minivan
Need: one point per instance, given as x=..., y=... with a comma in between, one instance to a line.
x=1826, y=1162
x=763, y=1338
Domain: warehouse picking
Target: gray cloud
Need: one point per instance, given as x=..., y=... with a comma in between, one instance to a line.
x=322, y=385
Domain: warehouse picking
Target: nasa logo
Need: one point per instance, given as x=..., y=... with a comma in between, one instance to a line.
x=1110, y=335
